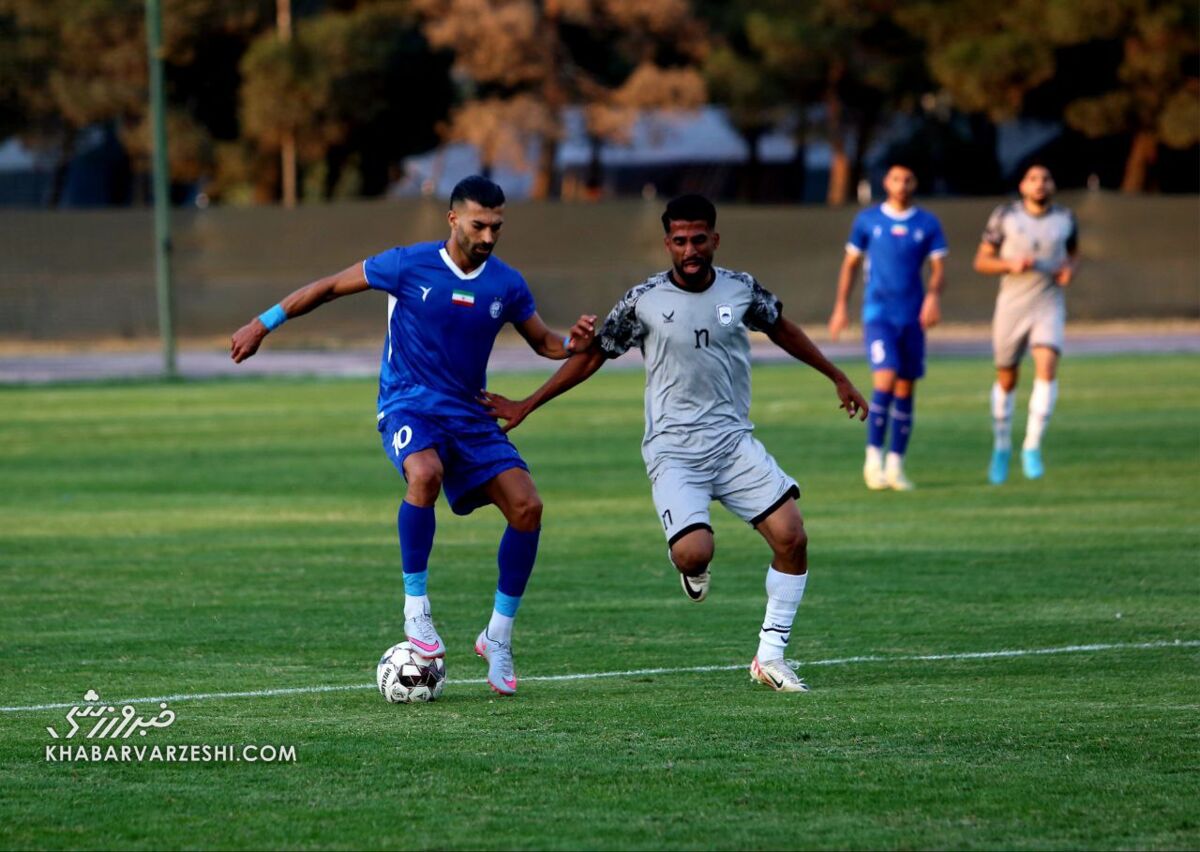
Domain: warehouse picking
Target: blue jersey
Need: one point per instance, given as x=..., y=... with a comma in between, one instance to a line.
x=442, y=324
x=896, y=246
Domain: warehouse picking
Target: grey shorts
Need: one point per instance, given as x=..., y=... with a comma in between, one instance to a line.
x=748, y=482
x=1017, y=327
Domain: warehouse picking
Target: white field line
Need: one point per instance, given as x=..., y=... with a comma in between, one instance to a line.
x=838, y=661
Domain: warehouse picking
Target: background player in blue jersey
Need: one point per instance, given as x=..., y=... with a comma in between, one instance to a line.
x=446, y=303
x=895, y=238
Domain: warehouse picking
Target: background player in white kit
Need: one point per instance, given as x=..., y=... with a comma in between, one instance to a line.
x=690, y=323
x=1032, y=243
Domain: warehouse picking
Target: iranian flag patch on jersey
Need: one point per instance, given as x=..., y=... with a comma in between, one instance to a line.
x=462, y=297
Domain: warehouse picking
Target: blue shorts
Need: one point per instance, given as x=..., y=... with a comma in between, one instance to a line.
x=898, y=348
x=473, y=452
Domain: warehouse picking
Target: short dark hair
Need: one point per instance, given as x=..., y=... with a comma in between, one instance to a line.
x=689, y=208
x=1036, y=164
x=897, y=163
x=479, y=189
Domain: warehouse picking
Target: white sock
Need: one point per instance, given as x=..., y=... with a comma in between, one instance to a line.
x=784, y=592
x=500, y=627
x=1003, y=403
x=1041, y=406
x=894, y=463
x=875, y=456
x=415, y=605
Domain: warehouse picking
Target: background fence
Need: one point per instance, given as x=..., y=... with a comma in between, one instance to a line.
x=88, y=275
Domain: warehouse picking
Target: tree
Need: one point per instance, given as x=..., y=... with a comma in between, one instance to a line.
x=522, y=62
x=70, y=65
x=849, y=56
x=994, y=58
x=350, y=85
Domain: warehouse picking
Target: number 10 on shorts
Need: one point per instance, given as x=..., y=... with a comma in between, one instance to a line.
x=401, y=439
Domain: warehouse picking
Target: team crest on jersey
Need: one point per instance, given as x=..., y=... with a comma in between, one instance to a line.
x=725, y=314
x=496, y=309
x=918, y=235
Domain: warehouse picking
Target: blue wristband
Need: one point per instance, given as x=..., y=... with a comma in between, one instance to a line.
x=567, y=343
x=273, y=318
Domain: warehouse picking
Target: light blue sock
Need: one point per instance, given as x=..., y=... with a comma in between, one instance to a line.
x=416, y=525
x=518, y=551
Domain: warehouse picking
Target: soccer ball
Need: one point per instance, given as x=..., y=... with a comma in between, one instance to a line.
x=404, y=676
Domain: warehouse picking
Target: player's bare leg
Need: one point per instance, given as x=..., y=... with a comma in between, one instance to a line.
x=884, y=385
x=423, y=470
x=893, y=466
x=691, y=555
x=784, y=531
x=517, y=498
x=1004, y=399
x=1041, y=406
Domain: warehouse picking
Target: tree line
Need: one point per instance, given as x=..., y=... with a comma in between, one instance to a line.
x=339, y=91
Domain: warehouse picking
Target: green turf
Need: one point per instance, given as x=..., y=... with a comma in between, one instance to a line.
x=215, y=537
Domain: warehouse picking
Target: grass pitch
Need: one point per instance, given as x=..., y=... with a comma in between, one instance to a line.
x=239, y=537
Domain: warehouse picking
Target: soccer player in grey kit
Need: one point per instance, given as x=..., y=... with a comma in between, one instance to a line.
x=1033, y=245
x=691, y=324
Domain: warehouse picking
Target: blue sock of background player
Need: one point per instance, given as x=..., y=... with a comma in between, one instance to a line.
x=881, y=402
x=518, y=551
x=902, y=423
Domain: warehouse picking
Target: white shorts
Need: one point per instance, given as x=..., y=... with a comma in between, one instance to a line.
x=1016, y=327
x=748, y=482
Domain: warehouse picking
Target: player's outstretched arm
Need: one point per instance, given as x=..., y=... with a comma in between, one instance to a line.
x=791, y=339
x=840, y=318
x=578, y=369
x=551, y=344
x=248, y=338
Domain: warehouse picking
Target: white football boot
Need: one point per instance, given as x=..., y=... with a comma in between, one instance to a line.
x=778, y=675
x=501, y=677
x=420, y=631
x=874, y=476
x=695, y=586
x=893, y=474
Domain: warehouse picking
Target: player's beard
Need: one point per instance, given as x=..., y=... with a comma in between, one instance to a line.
x=695, y=279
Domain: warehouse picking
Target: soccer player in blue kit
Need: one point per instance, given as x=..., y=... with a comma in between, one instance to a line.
x=447, y=301
x=895, y=238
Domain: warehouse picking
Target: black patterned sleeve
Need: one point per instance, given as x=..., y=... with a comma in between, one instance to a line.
x=1073, y=235
x=764, y=310
x=993, y=233
x=622, y=330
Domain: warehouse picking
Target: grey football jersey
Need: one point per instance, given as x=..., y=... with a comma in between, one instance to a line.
x=697, y=357
x=1048, y=239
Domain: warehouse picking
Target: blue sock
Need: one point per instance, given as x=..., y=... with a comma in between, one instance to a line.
x=416, y=525
x=518, y=550
x=881, y=401
x=902, y=414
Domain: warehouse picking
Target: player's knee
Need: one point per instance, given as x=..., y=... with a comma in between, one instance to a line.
x=526, y=513
x=794, y=544
x=692, y=556
x=424, y=476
